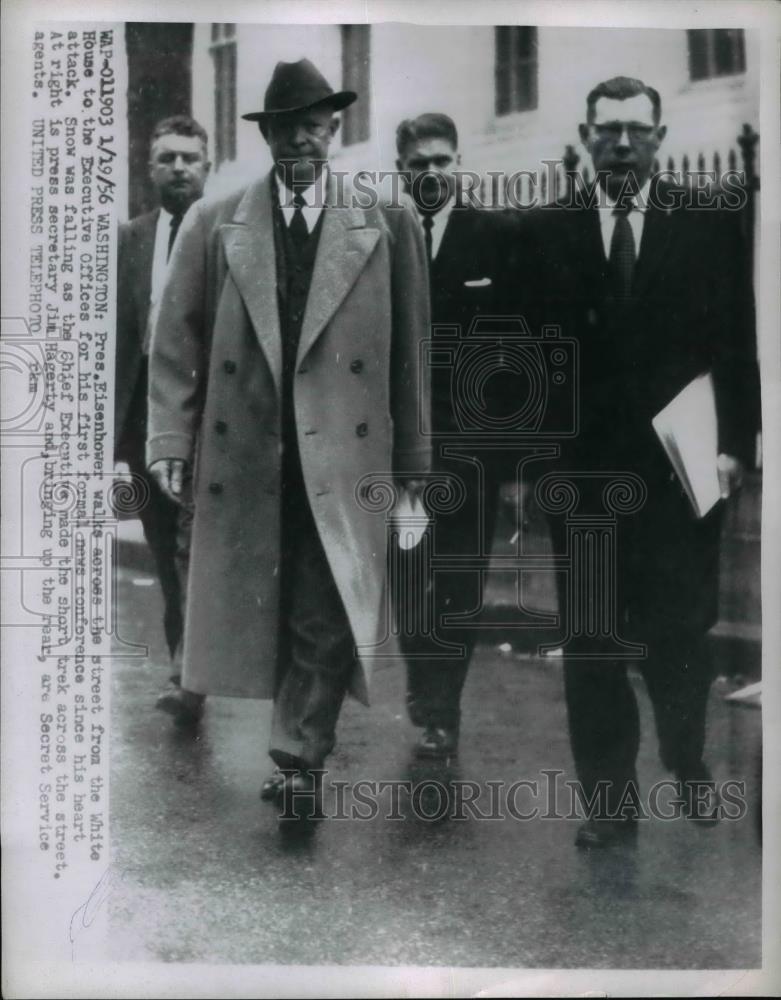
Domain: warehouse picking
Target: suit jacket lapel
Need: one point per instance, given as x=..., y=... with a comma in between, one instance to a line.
x=251, y=256
x=143, y=256
x=587, y=248
x=654, y=248
x=346, y=244
x=450, y=247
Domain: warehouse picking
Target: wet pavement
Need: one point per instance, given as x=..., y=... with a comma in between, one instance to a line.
x=207, y=876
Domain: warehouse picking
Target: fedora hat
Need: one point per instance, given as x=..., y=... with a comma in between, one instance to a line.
x=296, y=86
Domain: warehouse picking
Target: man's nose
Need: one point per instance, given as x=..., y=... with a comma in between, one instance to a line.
x=299, y=137
x=179, y=163
x=623, y=140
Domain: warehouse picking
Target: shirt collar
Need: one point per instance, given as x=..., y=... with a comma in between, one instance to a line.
x=314, y=195
x=442, y=215
x=639, y=202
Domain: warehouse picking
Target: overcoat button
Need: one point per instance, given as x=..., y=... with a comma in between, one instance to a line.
x=356, y=366
x=362, y=430
x=229, y=366
x=215, y=488
x=220, y=426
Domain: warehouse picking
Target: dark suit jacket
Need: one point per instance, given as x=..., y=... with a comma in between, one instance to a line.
x=474, y=274
x=692, y=313
x=134, y=283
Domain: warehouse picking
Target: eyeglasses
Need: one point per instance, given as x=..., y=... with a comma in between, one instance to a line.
x=614, y=130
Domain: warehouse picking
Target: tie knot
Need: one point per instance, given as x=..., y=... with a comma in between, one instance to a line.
x=623, y=210
x=428, y=222
x=299, y=201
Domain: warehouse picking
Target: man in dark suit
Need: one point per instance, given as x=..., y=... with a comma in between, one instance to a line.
x=178, y=167
x=657, y=293
x=470, y=274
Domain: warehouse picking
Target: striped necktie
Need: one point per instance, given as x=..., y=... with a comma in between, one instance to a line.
x=623, y=255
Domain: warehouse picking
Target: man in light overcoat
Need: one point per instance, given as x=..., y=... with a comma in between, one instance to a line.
x=285, y=370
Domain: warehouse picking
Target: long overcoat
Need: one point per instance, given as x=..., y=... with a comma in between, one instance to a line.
x=215, y=380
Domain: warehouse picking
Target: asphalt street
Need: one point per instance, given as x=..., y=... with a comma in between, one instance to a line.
x=206, y=875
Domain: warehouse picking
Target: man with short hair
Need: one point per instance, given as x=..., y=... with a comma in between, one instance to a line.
x=285, y=370
x=656, y=293
x=474, y=274
x=178, y=168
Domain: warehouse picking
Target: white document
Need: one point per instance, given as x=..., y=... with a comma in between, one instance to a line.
x=688, y=431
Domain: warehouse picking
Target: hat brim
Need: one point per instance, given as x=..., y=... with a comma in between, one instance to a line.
x=341, y=99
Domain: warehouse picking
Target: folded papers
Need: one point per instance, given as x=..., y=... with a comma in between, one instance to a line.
x=688, y=432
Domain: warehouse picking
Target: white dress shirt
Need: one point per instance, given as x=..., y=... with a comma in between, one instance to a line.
x=440, y=220
x=314, y=196
x=607, y=221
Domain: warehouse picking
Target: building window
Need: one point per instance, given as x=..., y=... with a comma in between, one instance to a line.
x=355, y=76
x=223, y=52
x=516, y=70
x=716, y=52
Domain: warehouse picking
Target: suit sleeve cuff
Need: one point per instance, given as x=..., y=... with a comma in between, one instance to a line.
x=413, y=460
x=168, y=446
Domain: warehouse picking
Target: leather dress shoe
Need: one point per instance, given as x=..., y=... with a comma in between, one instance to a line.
x=437, y=742
x=271, y=789
x=185, y=706
x=598, y=833
x=700, y=798
x=300, y=799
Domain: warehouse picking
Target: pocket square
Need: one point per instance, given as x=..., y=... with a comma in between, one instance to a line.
x=478, y=283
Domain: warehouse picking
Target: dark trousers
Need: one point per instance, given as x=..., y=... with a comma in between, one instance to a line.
x=602, y=709
x=436, y=674
x=316, y=647
x=604, y=722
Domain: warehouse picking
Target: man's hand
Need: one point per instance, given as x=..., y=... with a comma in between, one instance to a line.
x=414, y=487
x=730, y=470
x=169, y=473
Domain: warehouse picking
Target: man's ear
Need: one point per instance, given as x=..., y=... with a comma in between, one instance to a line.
x=334, y=126
x=583, y=132
x=458, y=159
x=263, y=129
x=661, y=132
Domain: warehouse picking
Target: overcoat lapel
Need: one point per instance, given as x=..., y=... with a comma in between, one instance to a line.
x=251, y=256
x=342, y=253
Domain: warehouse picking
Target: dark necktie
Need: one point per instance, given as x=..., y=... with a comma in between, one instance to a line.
x=299, y=232
x=176, y=221
x=623, y=255
x=428, y=225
